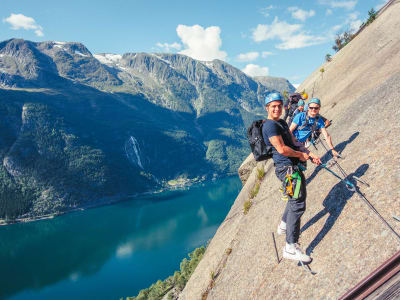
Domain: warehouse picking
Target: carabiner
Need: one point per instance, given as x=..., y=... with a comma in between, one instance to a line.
x=350, y=186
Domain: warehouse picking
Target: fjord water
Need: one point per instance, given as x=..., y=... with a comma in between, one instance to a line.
x=111, y=251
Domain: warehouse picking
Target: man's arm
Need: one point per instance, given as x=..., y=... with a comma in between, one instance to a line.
x=293, y=126
x=315, y=158
x=297, y=143
x=277, y=142
x=329, y=141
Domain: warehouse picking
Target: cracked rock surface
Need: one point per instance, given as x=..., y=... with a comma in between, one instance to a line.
x=360, y=92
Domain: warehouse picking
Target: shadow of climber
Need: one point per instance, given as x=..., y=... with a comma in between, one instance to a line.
x=333, y=205
x=327, y=156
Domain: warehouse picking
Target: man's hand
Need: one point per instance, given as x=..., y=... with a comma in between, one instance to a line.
x=304, y=156
x=335, y=154
x=315, y=159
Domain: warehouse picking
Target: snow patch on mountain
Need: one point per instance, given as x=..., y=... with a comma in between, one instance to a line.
x=81, y=54
x=162, y=59
x=108, y=58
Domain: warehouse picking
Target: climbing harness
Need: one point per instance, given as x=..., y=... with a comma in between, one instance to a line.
x=289, y=185
x=290, y=176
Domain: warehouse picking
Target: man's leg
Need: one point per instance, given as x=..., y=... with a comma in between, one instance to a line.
x=282, y=225
x=295, y=209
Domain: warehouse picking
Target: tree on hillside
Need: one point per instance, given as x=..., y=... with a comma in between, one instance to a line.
x=342, y=40
x=328, y=57
x=371, y=16
x=285, y=95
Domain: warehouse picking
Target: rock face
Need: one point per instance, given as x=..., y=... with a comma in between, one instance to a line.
x=359, y=91
x=246, y=168
x=78, y=129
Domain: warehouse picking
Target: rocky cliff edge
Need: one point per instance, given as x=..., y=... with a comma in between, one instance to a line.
x=360, y=91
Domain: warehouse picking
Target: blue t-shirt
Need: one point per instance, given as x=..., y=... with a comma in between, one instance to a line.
x=303, y=134
x=273, y=128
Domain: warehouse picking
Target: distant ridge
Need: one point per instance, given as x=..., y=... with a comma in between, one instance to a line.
x=79, y=130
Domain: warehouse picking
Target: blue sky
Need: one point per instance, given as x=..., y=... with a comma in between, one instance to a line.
x=285, y=38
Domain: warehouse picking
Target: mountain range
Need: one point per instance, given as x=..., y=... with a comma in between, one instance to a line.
x=79, y=129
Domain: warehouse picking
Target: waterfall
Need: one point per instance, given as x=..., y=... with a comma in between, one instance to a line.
x=132, y=151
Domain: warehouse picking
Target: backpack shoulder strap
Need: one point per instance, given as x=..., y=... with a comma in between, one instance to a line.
x=314, y=127
x=280, y=122
x=304, y=124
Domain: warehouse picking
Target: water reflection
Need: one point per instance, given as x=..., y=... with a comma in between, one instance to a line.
x=106, y=251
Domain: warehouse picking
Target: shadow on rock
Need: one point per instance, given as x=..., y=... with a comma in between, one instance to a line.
x=333, y=205
x=327, y=156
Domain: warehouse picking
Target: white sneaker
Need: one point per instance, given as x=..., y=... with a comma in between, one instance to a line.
x=281, y=228
x=293, y=251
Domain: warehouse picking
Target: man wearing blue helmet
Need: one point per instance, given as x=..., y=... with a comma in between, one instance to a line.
x=309, y=123
x=286, y=156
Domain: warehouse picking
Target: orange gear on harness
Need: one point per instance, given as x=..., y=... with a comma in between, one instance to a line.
x=289, y=186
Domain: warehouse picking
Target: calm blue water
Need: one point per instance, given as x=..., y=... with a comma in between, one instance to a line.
x=112, y=251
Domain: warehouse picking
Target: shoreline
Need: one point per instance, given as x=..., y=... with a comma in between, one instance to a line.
x=180, y=184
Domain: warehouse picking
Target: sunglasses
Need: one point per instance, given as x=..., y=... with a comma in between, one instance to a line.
x=313, y=107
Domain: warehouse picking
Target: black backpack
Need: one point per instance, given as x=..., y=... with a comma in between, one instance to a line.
x=254, y=135
x=294, y=98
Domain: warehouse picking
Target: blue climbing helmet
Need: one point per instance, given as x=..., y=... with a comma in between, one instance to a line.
x=300, y=103
x=315, y=100
x=273, y=97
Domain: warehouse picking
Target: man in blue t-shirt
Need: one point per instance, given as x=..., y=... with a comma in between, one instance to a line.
x=303, y=125
x=287, y=154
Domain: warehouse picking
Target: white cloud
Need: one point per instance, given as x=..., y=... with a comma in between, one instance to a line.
x=74, y=277
x=380, y=5
x=265, y=10
x=339, y=4
x=249, y=56
x=299, y=14
x=124, y=251
x=169, y=47
x=351, y=24
x=201, y=213
x=296, y=85
x=336, y=28
x=255, y=70
x=292, y=35
x=353, y=21
x=301, y=40
x=353, y=16
x=277, y=29
x=355, y=25
x=328, y=12
x=201, y=43
x=18, y=21
x=264, y=54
